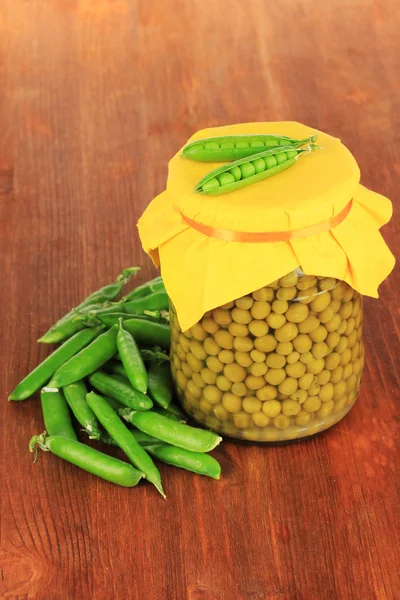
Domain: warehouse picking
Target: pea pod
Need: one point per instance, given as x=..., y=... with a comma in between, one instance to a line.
x=120, y=390
x=132, y=360
x=149, y=333
x=234, y=147
x=160, y=384
x=153, y=355
x=72, y=323
x=172, y=412
x=197, y=462
x=142, y=438
x=138, y=306
x=155, y=285
x=125, y=440
x=43, y=373
x=111, y=317
x=68, y=324
x=115, y=404
x=87, y=360
x=56, y=415
x=176, y=434
x=150, y=355
x=155, y=301
x=75, y=395
x=246, y=171
x=114, y=367
x=87, y=458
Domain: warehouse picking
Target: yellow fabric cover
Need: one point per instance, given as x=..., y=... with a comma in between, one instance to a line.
x=201, y=273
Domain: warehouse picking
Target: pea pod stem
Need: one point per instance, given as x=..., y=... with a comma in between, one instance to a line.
x=87, y=458
x=67, y=325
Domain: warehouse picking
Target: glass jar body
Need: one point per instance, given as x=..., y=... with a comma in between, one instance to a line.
x=281, y=363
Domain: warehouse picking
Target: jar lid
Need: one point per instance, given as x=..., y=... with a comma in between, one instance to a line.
x=314, y=215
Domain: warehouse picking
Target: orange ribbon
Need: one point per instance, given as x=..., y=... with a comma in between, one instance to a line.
x=230, y=235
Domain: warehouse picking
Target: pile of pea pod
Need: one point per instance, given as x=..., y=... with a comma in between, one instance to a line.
x=112, y=374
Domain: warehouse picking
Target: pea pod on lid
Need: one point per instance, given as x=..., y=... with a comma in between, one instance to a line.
x=246, y=171
x=262, y=231
x=233, y=147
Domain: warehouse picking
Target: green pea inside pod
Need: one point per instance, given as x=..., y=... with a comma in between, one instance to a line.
x=246, y=171
x=234, y=147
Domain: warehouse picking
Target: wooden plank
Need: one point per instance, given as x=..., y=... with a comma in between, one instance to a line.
x=96, y=96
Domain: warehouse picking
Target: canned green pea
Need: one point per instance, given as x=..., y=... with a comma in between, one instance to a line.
x=281, y=363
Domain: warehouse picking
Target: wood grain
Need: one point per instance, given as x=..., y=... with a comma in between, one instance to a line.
x=96, y=95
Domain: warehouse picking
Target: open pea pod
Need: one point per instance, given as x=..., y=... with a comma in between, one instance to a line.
x=246, y=171
x=234, y=147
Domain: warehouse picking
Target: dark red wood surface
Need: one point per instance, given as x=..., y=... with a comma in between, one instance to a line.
x=95, y=96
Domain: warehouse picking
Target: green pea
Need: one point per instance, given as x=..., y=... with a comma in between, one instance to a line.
x=247, y=170
x=270, y=162
x=281, y=158
x=291, y=154
x=226, y=145
x=212, y=184
x=211, y=145
x=256, y=144
x=226, y=178
x=242, y=144
x=271, y=143
x=236, y=172
x=259, y=165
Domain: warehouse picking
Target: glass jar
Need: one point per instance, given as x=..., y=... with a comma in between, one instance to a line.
x=282, y=363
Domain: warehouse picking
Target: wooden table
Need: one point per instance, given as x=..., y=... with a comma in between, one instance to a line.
x=96, y=95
